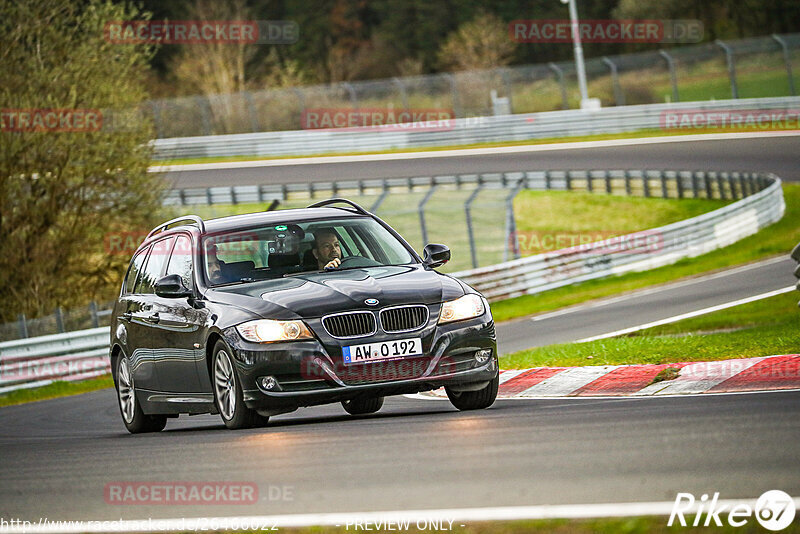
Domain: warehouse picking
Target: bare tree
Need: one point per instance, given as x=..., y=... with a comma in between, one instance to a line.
x=482, y=43
x=216, y=68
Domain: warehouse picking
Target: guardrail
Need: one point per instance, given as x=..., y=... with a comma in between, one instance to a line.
x=642, y=250
x=506, y=128
x=38, y=361
x=84, y=354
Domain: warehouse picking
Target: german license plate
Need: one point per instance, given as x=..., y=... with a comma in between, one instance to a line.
x=385, y=350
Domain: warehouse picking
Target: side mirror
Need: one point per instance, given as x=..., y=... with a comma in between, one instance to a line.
x=171, y=286
x=436, y=255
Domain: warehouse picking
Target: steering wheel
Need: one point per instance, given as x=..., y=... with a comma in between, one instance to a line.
x=357, y=261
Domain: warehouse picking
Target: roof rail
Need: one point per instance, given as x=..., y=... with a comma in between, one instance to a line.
x=330, y=201
x=161, y=227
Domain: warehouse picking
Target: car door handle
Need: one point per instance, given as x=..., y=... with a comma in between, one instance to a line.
x=127, y=315
x=153, y=318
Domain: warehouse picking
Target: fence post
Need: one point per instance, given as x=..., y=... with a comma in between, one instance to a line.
x=93, y=313
x=154, y=105
x=707, y=184
x=511, y=223
x=645, y=184
x=23, y=325
x=787, y=60
x=721, y=187
x=731, y=67
x=205, y=109
x=607, y=177
x=453, y=94
x=302, y=99
x=619, y=98
x=381, y=197
x=403, y=95
x=560, y=77
x=421, y=210
x=470, y=233
x=673, y=75
x=352, y=92
x=507, y=84
x=664, y=189
x=59, y=320
x=253, y=115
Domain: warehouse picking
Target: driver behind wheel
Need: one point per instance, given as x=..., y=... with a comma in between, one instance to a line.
x=326, y=249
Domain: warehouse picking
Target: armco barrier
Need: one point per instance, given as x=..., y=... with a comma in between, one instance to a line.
x=42, y=360
x=84, y=354
x=475, y=130
x=683, y=239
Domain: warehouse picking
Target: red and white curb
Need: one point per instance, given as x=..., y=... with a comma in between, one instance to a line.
x=724, y=376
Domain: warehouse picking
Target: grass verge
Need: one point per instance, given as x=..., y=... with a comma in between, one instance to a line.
x=762, y=328
x=56, y=389
x=774, y=240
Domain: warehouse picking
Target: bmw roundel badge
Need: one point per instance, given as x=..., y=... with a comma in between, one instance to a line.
x=371, y=302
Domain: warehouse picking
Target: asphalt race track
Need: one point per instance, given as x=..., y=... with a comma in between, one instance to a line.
x=771, y=154
x=414, y=454
x=59, y=455
x=646, y=306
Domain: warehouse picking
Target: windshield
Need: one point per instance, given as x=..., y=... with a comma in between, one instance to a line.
x=289, y=248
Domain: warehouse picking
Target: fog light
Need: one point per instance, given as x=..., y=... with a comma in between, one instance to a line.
x=482, y=355
x=268, y=383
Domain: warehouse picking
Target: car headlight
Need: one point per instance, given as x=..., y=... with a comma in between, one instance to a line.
x=270, y=331
x=466, y=307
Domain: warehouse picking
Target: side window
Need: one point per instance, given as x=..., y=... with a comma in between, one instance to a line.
x=134, y=270
x=180, y=262
x=159, y=253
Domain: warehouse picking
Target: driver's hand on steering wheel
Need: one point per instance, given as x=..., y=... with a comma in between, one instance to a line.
x=333, y=264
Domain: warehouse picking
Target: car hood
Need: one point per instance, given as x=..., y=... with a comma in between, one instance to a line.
x=315, y=294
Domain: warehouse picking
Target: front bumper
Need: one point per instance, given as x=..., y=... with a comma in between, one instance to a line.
x=311, y=372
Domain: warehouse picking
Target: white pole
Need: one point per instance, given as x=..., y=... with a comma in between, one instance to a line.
x=576, y=40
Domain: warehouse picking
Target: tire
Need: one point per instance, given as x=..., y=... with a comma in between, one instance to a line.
x=475, y=400
x=134, y=419
x=362, y=406
x=228, y=392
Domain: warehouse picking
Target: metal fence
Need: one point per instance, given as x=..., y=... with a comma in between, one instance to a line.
x=755, y=67
x=449, y=208
x=92, y=316
x=646, y=250
x=489, y=129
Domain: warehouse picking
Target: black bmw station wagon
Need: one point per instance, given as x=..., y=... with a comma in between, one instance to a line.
x=255, y=315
